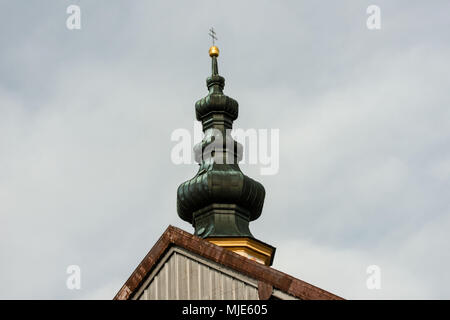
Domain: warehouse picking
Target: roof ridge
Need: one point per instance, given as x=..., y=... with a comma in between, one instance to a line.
x=176, y=236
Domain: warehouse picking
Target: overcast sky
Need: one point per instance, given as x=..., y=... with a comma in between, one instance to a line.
x=86, y=118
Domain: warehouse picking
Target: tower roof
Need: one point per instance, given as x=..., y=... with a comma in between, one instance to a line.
x=219, y=201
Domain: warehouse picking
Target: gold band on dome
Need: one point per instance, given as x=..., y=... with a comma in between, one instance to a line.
x=247, y=247
x=213, y=51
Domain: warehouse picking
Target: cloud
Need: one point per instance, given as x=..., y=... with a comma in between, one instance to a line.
x=86, y=118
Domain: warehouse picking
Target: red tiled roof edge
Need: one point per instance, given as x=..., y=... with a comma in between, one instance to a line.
x=255, y=270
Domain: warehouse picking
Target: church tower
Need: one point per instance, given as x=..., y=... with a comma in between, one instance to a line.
x=222, y=260
x=220, y=201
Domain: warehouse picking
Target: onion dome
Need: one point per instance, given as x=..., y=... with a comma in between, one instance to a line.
x=219, y=201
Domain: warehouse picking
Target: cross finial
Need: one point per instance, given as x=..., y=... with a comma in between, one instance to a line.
x=212, y=34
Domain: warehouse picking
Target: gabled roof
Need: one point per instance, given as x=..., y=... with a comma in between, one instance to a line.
x=267, y=277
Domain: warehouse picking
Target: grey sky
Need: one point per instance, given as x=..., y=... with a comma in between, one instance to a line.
x=86, y=118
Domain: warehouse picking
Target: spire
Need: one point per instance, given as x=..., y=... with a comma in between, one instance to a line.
x=220, y=201
x=214, y=53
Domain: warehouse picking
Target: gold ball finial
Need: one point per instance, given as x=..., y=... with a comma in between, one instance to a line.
x=213, y=51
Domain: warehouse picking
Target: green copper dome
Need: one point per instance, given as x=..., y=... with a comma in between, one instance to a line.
x=219, y=200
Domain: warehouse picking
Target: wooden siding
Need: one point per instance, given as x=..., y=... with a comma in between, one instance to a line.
x=184, y=276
